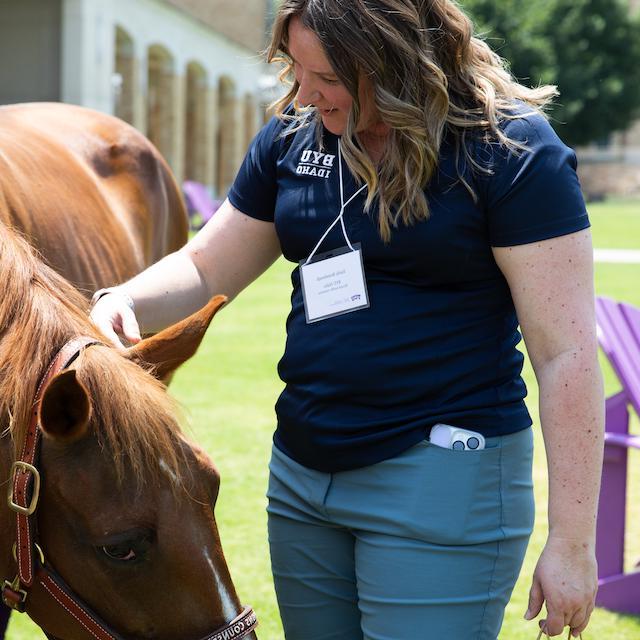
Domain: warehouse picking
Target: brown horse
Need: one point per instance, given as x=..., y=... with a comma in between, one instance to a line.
x=125, y=511
x=91, y=193
x=97, y=200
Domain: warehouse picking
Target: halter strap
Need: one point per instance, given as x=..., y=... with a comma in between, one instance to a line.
x=26, y=478
x=34, y=575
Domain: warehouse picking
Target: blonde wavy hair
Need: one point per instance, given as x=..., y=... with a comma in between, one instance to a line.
x=431, y=76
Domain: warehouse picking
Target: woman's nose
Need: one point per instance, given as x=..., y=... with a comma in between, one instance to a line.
x=307, y=93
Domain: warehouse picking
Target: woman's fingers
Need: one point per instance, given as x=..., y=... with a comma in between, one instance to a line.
x=116, y=320
x=536, y=598
x=555, y=621
x=577, y=622
x=130, y=328
x=580, y=621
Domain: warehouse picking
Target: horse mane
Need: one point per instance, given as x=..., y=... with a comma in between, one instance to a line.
x=133, y=417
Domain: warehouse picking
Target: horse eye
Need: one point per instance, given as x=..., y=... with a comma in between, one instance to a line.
x=121, y=552
x=127, y=547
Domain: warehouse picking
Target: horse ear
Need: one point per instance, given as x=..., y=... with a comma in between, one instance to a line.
x=172, y=346
x=65, y=407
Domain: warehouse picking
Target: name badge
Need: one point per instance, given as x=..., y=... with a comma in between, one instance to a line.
x=333, y=283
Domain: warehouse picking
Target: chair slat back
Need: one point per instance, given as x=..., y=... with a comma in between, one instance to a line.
x=632, y=315
x=619, y=337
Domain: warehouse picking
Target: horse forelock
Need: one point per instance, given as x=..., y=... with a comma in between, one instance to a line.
x=39, y=311
x=135, y=419
x=133, y=416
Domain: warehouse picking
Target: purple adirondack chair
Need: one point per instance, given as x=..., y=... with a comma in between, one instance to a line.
x=619, y=337
x=200, y=205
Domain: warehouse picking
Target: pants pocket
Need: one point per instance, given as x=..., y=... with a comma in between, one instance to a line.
x=459, y=501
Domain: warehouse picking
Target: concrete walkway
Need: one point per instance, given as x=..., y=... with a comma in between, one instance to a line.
x=626, y=256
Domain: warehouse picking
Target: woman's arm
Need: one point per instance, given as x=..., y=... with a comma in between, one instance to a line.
x=229, y=253
x=552, y=287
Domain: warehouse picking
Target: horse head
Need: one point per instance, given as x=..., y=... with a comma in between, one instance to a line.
x=124, y=521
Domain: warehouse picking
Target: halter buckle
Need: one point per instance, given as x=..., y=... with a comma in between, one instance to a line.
x=13, y=596
x=33, y=504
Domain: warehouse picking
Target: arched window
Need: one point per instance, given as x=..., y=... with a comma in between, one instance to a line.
x=124, y=80
x=228, y=155
x=197, y=114
x=161, y=116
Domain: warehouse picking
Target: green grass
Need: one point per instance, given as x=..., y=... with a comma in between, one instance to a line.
x=228, y=391
x=616, y=224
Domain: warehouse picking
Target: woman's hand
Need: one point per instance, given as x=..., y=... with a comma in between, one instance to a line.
x=114, y=316
x=566, y=578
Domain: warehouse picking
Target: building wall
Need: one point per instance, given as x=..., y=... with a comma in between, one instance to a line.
x=136, y=59
x=194, y=91
x=613, y=178
x=243, y=21
x=89, y=47
x=30, y=50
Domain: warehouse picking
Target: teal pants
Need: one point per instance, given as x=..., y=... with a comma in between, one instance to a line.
x=426, y=545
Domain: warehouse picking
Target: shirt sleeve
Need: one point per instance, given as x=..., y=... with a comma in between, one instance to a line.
x=533, y=194
x=255, y=188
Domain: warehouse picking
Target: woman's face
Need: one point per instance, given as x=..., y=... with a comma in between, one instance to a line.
x=320, y=87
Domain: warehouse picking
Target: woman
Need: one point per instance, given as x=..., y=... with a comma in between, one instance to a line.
x=431, y=209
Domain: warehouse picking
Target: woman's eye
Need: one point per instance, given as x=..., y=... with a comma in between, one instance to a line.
x=121, y=552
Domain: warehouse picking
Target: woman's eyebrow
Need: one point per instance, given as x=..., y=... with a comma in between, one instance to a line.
x=331, y=74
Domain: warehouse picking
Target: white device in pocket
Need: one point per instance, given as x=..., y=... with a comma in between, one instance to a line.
x=444, y=435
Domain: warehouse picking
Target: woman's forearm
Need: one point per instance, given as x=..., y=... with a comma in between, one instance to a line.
x=167, y=292
x=572, y=417
x=229, y=253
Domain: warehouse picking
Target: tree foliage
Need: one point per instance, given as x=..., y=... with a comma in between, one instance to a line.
x=512, y=28
x=590, y=49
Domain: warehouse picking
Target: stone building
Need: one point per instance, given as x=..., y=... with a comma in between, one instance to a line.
x=187, y=73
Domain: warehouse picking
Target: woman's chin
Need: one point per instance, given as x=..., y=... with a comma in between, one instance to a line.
x=332, y=124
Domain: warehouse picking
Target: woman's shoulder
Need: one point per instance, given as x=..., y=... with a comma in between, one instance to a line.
x=527, y=126
x=528, y=152
x=526, y=135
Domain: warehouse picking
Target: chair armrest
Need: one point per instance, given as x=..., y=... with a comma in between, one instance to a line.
x=622, y=440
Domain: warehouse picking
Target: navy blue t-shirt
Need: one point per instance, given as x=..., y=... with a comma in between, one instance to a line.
x=438, y=343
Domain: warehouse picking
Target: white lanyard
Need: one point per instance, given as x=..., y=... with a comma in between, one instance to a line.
x=334, y=284
x=343, y=206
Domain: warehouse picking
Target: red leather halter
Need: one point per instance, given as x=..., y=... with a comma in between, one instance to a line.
x=35, y=576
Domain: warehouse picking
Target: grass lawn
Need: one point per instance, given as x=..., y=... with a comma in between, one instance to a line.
x=616, y=224
x=228, y=391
